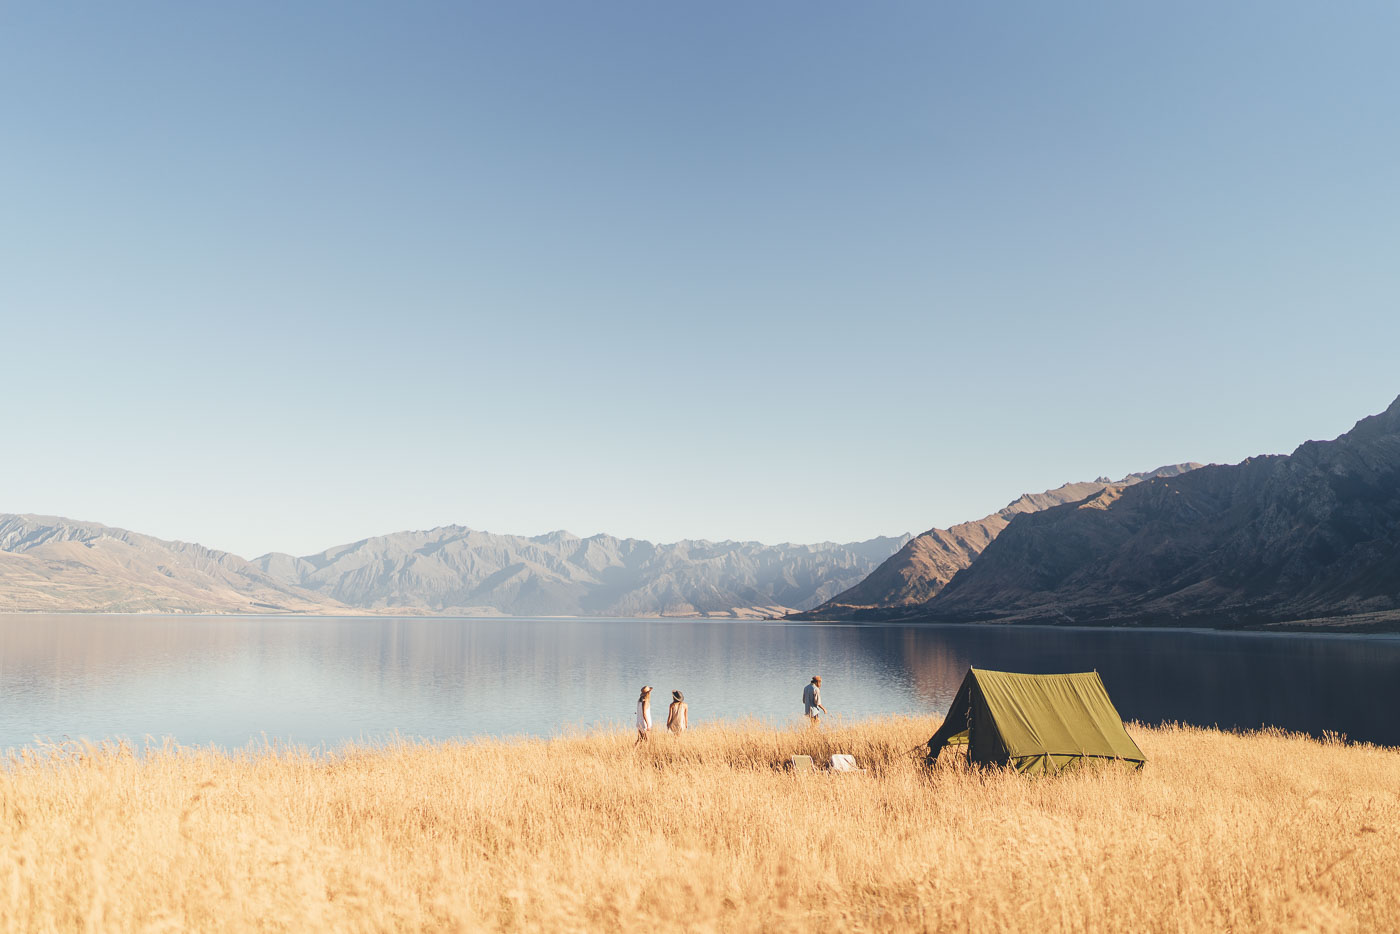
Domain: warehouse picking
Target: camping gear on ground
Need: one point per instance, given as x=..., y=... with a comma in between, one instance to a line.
x=801, y=764
x=1034, y=723
x=844, y=763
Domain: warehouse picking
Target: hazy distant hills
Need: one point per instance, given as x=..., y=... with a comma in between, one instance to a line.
x=51, y=564
x=59, y=565
x=1309, y=535
x=924, y=566
x=460, y=570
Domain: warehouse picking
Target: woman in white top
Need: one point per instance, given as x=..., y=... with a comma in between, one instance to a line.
x=644, y=714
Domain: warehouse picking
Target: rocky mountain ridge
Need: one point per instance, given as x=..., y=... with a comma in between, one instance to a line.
x=455, y=569
x=1310, y=535
x=921, y=569
x=58, y=565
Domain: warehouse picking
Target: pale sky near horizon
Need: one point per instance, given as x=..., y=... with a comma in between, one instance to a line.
x=283, y=276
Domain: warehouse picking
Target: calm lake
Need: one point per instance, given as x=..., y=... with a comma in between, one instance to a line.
x=323, y=681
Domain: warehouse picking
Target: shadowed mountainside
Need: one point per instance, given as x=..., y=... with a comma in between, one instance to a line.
x=459, y=570
x=924, y=566
x=1309, y=535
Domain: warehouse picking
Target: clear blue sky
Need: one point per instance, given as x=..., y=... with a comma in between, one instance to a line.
x=279, y=276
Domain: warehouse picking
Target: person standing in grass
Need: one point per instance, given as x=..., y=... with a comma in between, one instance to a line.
x=678, y=714
x=812, y=700
x=644, y=714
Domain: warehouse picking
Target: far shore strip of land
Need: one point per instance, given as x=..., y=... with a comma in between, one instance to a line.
x=1379, y=623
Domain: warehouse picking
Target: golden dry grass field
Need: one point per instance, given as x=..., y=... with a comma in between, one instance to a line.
x=1221, y=832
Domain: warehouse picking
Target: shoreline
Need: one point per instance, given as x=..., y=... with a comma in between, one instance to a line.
x=1365, y=625
x=597, y=732
x=601, y=732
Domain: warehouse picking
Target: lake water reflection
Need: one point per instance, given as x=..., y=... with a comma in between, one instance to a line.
x=229, y=680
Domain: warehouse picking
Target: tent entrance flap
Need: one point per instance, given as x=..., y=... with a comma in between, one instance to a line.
x=1034, y=722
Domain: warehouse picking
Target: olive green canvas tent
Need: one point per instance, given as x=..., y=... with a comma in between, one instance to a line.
x=1034, y=723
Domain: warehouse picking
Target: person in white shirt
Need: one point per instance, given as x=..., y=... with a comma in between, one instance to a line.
x=644, y=714
x=812, y=700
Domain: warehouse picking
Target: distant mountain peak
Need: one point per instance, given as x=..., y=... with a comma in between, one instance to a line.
x=1372, y=426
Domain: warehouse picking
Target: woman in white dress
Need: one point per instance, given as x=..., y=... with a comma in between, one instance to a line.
x=678, y=714
x=644, y=714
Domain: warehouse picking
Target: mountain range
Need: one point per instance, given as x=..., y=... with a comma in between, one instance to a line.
x=1314, y=535
x=54, y=565
x=460, y=571
x=51, y=564
x=915, y=574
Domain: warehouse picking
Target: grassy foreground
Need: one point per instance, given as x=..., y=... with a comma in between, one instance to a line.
x=1255, y=832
